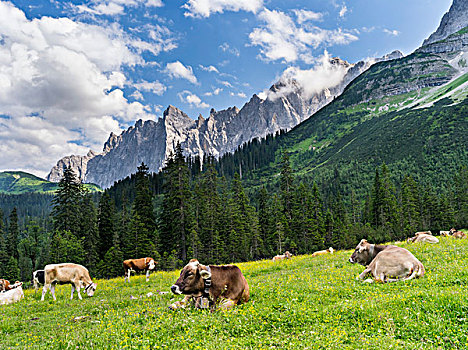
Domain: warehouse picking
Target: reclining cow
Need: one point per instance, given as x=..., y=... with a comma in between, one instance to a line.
x=135, y=265
x=423, y=237
x=445, y=233
x=4, y=285
x=38, y=279
x=386, y=263
x=74, y=274
x=14, y=294
x=322, y=252
x=457, y=234
x=221, y=285
x=286, y=255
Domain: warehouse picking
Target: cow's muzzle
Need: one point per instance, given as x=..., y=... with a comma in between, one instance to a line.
x=351, y=260
x=175, y=289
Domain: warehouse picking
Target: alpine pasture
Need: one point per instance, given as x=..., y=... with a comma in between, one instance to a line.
x=302, y=303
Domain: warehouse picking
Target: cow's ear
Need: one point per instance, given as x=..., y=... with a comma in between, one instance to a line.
x=205, y=274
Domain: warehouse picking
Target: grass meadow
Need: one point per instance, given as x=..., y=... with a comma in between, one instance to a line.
x=303, y=303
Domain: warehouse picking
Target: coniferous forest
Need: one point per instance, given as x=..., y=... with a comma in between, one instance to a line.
x=185, y=212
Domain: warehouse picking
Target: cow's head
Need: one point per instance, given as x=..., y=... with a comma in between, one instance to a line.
x=362, y=254
x=288, y=255
x=331, y=250
x=191, y=280
x=90, y=289
x=151, y=264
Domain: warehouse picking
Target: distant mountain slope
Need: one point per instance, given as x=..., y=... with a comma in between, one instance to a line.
x=283, y=106
x=16, y=182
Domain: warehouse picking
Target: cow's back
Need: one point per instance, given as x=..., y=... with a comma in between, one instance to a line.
x=231, y=277
x=393, y=259
x=65, y=272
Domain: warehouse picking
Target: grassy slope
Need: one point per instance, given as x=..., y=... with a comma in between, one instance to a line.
x=16, y=182
x=304, y=303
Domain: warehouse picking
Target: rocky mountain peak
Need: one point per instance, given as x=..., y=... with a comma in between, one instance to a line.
x=454, y=20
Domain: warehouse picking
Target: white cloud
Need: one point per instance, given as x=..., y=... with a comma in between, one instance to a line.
x=226, y=83
x=137, y=95
x=204, y=8
x=232, y=50
x=239, y=94
x=305, y=15
x=178, y=70
x=214, y=92
x=281, y=39
x=343, y=11
x=192, y=99
x=115, y=7
x=209, y=68
x=393, y=32
x=323, y=75
x=61, y=86
x=154, y=87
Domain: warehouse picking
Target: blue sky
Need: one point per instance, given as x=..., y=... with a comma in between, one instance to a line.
x=73, y=71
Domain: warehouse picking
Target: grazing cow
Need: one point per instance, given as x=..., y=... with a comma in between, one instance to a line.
x=143, y=264
x=386, y=263
x=286, y=255
x=326, y=251
x=38, y=279
x=457, y=234
x=423, y=237
x=13, y=295
x=222, y=285
x=74, y=274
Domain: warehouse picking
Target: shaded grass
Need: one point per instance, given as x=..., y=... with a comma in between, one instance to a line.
x=306, y=303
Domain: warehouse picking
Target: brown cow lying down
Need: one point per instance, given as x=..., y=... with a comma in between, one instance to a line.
x=457, y=234
x=286, y=255
x=4, y=285
x=423, y=237
x=142, y=264
x=74, y=274
x=13, y=295
x=326, y=251
x=223, y=285
x=386, y=263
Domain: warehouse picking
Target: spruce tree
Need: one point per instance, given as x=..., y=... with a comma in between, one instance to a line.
x=12, y=271
x=89, y=233
x=13, y=235
x=106, y=223
x=142, y=223
x=66, y=203
x=3, y=247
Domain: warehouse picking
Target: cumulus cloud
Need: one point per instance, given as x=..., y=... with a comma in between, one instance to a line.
x=323, y=75
x=204, y=8
x=115, y=7
x=281, y=39
x=238, y=94
x=178, y=70
x=209, y=68
x=393, y=32
x=305, y=15
x=214, y=92
x=58, y=75
x=154, y=87
x=192, y=99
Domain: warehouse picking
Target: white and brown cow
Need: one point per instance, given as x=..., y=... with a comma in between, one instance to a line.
x=4, y=285
x=135, y=265
x=423, y=237
x=14, y=294
x=38, y=279
x=322, y=252
x=286, y=255
x=224, y=285
x=457, y=234
x=445, y=233
x=67, y=273
x=386, y=263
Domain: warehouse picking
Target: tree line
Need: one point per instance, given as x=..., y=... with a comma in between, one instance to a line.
x=198, y=213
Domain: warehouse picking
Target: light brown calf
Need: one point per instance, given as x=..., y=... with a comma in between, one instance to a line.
x=142, y=264
x=286, y=255
x=322, y=252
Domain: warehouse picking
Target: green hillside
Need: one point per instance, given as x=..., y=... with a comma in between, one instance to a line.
x=17, y=182
x=303, y=303
x=418, y=133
